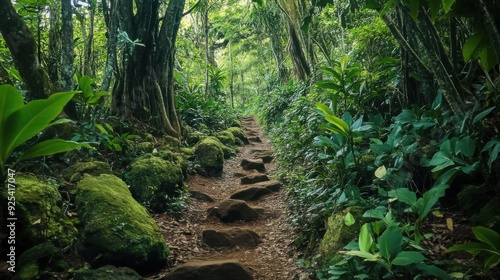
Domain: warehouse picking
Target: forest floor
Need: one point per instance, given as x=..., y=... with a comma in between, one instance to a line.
x=274, y=258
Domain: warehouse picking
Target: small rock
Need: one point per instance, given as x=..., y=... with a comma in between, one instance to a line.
x=257, y=164
x=231, y=237
x=255, y=139
x=266, y=155
x=107, y=272
x=271, y=185
x=201, y=196
x=231, y=210
x=253, y=178
x=213, y=270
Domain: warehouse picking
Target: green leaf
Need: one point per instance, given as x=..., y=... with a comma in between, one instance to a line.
x=97, y=96
x=439, y=158
x=51, y=147
x=473, y=45
x=483, y=114
x=447, y=177
x=349, y=219
x=472, y=247
x=407, y=258
x=380, y=149
x=365, y=239
x=429, y=199
x=488, y=57
x=33, y=118
x=361, y=254
x=390, y=242
x=404, y=195
x=343, y=62
x=434, y=7
x=447, y=4
x=491, y=261
x=329, y=85
x=338, y=123
x=433, y=271
x=10, y=101
x=259, y=2
x=323, y=108
x=487, y=236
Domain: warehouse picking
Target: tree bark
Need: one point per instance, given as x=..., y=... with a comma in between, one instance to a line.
x=144, y=81
x=67, y=46
x=23, y=48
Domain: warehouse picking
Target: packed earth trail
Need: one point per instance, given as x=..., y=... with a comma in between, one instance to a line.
x=236, y=226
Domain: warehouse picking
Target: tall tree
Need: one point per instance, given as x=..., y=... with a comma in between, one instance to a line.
x=23, y=47
x=144, y=79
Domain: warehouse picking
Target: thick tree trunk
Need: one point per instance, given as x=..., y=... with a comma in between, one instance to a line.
x=67, y=46
x=144, y=83
x=23, y=48
x=111, y=18
x=54, y=56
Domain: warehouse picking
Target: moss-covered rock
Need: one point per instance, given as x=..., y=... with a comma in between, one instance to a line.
x=145, y=147
x=210, y=155
x=117, y=230
x=39, y=216
x=34, y=262
x=239, y=133
x=148, y=137
x=75, y=172
x=171, y=143
x=489, y=215
x=226, y=138
x=107, y=272
x=338, y=234
x=154, y=178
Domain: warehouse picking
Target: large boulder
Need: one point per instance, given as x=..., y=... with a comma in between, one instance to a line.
x=117, y=230
x=42, y=258
x=231, y=210
x=153, y=180
x=213, y=270
x=38, y=213
x=75, y=172
x=210, y=156
x=226, y=138
x=338, y=234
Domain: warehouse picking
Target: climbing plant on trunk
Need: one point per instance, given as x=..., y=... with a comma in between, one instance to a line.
x=144, y=75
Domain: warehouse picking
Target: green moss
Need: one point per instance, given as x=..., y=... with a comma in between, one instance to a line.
x=188, y=152
x=210, y=155
x=39, y=217
x=238, y=133
x=146, y=147
x=171, y=143
x=117, y=229
x=154, y=177
x=226, y=138
x=338, y=234
x=148, y=137
x=75, y=172
x=39, y=259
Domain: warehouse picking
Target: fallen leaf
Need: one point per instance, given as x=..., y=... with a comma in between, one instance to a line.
x=449, y=223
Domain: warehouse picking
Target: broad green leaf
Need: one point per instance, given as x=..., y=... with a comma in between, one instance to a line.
x=447, y=177
x=335, y=130
x=389, y=6
x=447, y=4
x=407, y=258
x=390, y=242
x=339, y=123
x=472, y=247
x=97, y=96
x=329, y=85
x=473, y=46
x=429, y=199
x=323, y=108
x=349, y=219
x=259, y=2
x=488, y=58
x=404, y=195
x=413, y=6
x=443, y=166
x=51, y=147
x=487, y=236
x=433, y=271
x=434, y=7
x=10, y=100
x=491, y=261
x=374, y=213
x=365, y=239
x=343, y=62
x=365, y=255
x=380, y=172
x=31, y=119
x=380, y=149
x=439, y=158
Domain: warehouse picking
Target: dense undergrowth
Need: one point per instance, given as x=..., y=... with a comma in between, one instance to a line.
x=339, y=150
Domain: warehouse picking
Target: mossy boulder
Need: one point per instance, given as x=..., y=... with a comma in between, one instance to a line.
x=75, y=172
x=226, y=138
x=338, y=234
x=145, y=147
x=153, y=178
x=171, y=143
x=39, y=216
x=117, y=230
x=107, y=272
x=239, y=133
x=42, y=258
x=210, y=155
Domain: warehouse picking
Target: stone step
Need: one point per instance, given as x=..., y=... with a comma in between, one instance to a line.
x=251, y=193
x=210, y=270
x=231, y=237
x=257, y=164
x=266, y=155
x=272, y=185
x=231, y=210
x=255, y=139
x=199, y=195
x=253, y=178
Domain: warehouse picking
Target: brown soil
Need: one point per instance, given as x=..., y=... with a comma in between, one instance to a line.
x=273, y=259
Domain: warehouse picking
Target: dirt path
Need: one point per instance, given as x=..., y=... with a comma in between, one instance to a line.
x=273, y=258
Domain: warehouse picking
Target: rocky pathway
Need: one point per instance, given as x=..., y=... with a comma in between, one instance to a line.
x=236, y=226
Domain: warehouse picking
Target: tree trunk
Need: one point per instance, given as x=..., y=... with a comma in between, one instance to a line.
x=111, y=19
x=54, y=56
x=22, y=46
x=144, y=82
x=67, y=46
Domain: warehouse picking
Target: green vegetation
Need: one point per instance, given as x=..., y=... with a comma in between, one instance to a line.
x=383, y=113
